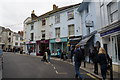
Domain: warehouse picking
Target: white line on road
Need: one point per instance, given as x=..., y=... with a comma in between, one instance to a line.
x=56, y=72
x=54, y=67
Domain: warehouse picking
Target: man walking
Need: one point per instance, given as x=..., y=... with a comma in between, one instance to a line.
x=78, y=59
x=48, y=54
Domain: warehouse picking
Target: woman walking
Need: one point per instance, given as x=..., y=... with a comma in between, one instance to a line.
x=103, y=61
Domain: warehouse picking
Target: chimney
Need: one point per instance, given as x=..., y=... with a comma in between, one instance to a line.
x=33, y=16
x=55, y=7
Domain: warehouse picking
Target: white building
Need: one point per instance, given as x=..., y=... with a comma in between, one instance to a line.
x=110, y=29
x=54, y=29
x=90, y=24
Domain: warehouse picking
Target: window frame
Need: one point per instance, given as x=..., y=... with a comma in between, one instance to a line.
x=57, y=32
x=57, y=18
x=72, y=30
x=70, y=15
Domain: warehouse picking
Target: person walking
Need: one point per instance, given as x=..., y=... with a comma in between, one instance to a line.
x=59, y=52
x=78, y=59
x=72, y=53
x=103, y=59
x=48, y=54
x=94, y=59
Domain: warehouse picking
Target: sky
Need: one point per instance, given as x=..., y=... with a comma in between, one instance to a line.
x=14, y=12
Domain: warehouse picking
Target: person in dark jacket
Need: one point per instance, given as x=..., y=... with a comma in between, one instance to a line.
x=94, y=59
x=72, y=53
x=48, y=54
x=78, y=59
x=103, y=61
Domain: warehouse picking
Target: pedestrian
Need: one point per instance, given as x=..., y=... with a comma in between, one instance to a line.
x=103, y=59
x=72, y=53
x=94, y=59
x=48, y=54
x=78, y=59
x=59, y=52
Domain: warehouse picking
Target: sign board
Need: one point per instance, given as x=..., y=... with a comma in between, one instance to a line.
x=57, y=40
x=89, y=23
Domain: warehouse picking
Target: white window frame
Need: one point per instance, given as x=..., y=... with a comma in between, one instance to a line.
x=70, y=14
x=57, y=18
x=57, y=32
x=71, y=32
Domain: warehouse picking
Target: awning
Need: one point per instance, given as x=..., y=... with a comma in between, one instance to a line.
x=74, y=41
x=84, y=41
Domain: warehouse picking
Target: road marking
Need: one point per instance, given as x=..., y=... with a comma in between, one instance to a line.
x=54, y=67
x=62, y=73
x=56, y=72
x=91, y=76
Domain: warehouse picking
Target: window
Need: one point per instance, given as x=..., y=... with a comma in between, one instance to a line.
x=16, y=43
x=43, y=22
x=57, y=19
x=71, y=29
x=87, y=10
x=21, y=39
x=20, y=44
x=112, y=12
x=9, y=33
x=16, y=37
x=32, y=26
x=70, y=15
x=57, y=32
x=43, y=34
x=32, y=36
x=9, y=39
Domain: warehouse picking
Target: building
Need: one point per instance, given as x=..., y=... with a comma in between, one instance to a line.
x=17, y=41
x=110, y=28
x=90, y=24
x=53, y=29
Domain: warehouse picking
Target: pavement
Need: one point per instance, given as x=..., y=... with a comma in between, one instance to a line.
x=90, y=69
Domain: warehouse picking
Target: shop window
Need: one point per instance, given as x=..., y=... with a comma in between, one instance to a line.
x=71, y=30
x=43, y=22
x=70, y=15
x=57, y=32
x=57, y=19
x=112, y=12
x=118, y=43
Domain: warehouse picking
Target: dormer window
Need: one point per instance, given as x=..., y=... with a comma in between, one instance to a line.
x=43, y=22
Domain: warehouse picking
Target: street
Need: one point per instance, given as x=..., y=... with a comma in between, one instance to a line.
x=26, y=66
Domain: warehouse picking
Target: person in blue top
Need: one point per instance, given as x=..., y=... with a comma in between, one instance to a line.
x=1, y=52
x=59, y=52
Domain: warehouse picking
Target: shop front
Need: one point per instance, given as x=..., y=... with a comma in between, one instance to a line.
x=58, y=43
x=41, y=46
x=31, y=47
x=111, y=41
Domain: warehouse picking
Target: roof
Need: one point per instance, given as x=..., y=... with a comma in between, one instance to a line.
x=59, y=9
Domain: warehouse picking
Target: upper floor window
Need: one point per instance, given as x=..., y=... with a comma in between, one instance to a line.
x=112, y=11
x=32, y=26
x=57, y=19
x=70, y=15
x=57, y=32
x=16, y=43
x=43, y=22
x=32, y=36
x=87, y=9
x=9, y=39
x=71, y=29
x=9, y=33
x=43, y=34
x=16, y=37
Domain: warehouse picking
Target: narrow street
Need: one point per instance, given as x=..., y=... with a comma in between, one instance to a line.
x=26, y=66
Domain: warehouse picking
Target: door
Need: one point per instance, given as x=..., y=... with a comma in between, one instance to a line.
x=118, y=47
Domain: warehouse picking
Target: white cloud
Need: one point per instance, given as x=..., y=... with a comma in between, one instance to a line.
x=16, y=11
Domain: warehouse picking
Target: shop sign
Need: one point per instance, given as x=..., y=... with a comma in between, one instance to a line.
x=57, y=40
x=110, y=31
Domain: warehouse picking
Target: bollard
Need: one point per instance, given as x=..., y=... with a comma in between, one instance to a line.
x=111, y=70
